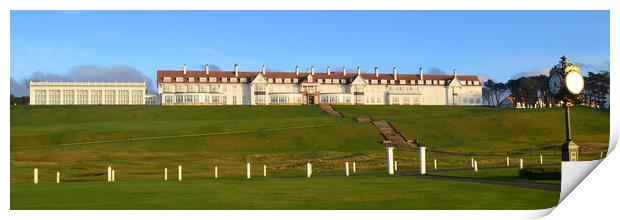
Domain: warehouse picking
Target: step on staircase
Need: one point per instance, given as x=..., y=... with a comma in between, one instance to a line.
x=392, y=137
x=330, y=110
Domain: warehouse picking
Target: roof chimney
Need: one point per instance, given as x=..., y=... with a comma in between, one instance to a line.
x=376, y=71
x=344, y=71
x=236, y=70
x=421, y=73
x=394, y=73
x=454, y=72
x=312, y=70
x=297, y=70
x=329, y=71
x=207, y=69
x=263, y=69
x=184, y=69
x=358, y=70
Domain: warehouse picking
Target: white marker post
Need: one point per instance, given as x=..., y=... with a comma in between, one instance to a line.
x=475, y=166
x=247, y=167
x=216, y=172
x=507, y=161
x=396, y=165
x=354, y=167
x=113, y=174
x=264, y=170
x=180, y=173
x=346, y=168
x=521, y=163
x=308, y=170
x=36, y=176
x=435, y=163
x=541, y=159
x=423, y=160
x=57, y=177
x=390, y=160
x=109, y=174
x=472, y=162
x=166, y=174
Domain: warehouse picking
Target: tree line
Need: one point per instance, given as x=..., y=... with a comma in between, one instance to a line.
x=533, y=91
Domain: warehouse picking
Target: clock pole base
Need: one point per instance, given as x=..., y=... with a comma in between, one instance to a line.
x=570, y=151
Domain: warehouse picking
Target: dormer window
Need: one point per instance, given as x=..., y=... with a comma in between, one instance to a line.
x=203, y=79
x=167, y=79
x=179, y=79
x=190, y=79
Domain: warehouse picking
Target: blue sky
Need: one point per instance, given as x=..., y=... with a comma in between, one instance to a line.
x=495, y=44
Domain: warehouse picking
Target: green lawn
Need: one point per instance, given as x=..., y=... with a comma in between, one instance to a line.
x=285, y=138
x=325, y=192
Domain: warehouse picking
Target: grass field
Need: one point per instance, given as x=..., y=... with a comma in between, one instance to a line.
x=140, y=141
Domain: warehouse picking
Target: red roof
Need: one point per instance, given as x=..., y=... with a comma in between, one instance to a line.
x=219, y=75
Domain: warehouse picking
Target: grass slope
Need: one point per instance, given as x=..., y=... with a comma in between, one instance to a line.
x=489, y=129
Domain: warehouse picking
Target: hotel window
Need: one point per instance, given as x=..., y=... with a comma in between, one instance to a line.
x=244, y=80
x=287, y=80
x=110, y=96
x=259, y=99
x=54, y=97
x=279, y=99
x=259, y=88
x=136, y=97
x=169, y=99
x=215, y=99
x=374, y=81
x=179, y=79
x=295, y=80
x=224, y=79
x=392, y=81
x=233, y=79
x=95, y=97
x=167, y=79
x=224, y=99
x=40, y=97
x=213, y=88
x=204, y=88
x=442, y=82
x=190, y=79
x=192, y=88
x=406, y=100
x=67, y=97
x=278, y=80
x=82, y=97
x=428, y=82
x=402, y=82
x=168, y=88
x=123, y=97
x=234, y=100
x=383, y=81
x=179, y=98
x=203, y=79
x=212, y=79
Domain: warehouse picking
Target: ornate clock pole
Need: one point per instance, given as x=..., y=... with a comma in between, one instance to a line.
x=565, y=83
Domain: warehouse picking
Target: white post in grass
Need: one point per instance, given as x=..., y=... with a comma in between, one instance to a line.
x=472, y=162
x=57, y=177
x=435, y=163
x=36, y=176
x=541, y=159
x=390, y=160
x=346, y=168
x=521, y=163
x=354, y=167
x=247, y=169
x=507, y=161
x=601, y=154
x=396, y=165
x=216, y=172
x=264, y=170
x=308, y=170
x=180, y=173
x=109, y=174
x=166, y=174
x=113, y=174
x=475, y=166
x=423, y=160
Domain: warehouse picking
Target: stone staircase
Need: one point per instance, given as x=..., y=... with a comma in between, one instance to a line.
x=391, y=136
x=330, y=110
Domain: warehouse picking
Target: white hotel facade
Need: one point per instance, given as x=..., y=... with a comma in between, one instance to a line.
x=204, y=87
x=87, y=93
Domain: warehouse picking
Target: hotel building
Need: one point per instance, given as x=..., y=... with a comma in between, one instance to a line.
x=205, y=87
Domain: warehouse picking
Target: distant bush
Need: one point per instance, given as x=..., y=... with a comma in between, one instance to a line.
x=541, y=173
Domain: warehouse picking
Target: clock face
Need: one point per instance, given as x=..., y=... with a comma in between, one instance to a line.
x=574, y=82
x=555, y=83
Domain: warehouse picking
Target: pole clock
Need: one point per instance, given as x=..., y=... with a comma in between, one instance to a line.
x=565, y=83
